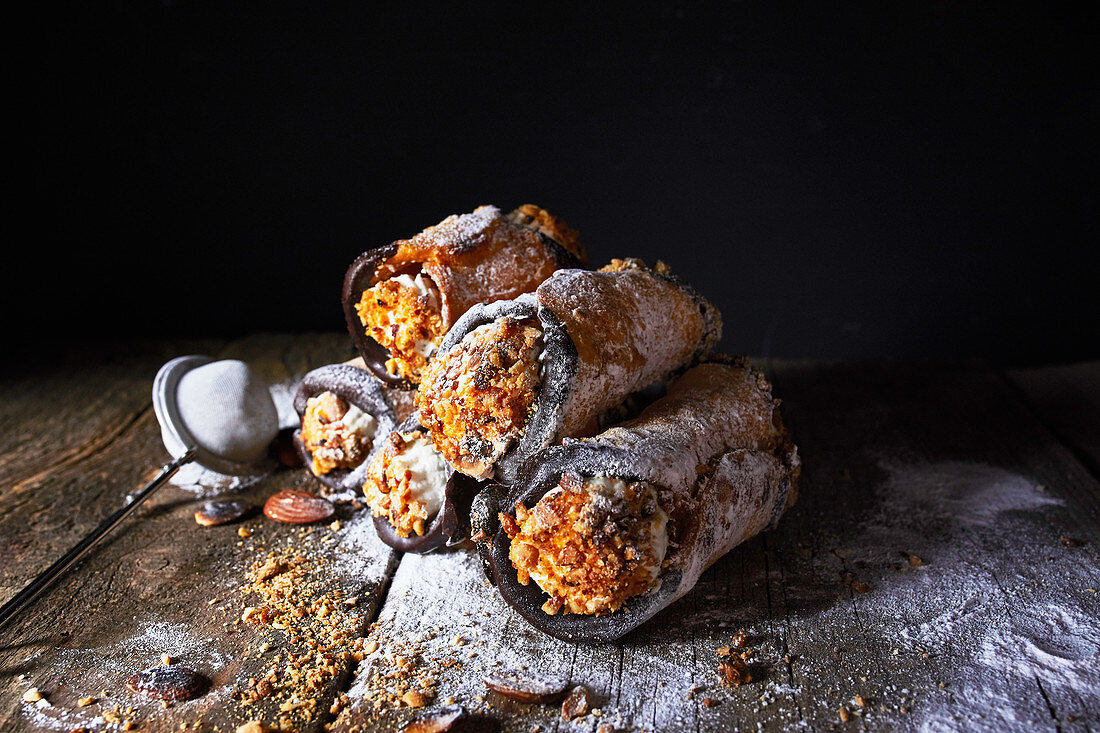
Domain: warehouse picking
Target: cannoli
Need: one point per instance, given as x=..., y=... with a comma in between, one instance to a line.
x=601, y=533
x=359, y=434
x=514, y=377
x=419, y=502
x=345, y=414
x=400, y=299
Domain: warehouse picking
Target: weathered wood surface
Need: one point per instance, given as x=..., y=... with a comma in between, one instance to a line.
x=922, y=573
x=1067, y=399
x=941, y=464
x=161, y=584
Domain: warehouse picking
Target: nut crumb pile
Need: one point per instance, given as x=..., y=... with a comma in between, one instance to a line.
x=314, y=639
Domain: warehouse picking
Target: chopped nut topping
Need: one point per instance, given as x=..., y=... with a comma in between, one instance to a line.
x=591, y=549
x=333, y=441
x=735, y=672
x=508, y=522
x=391, y=489
x=404, y=315
x=476, y=399
x=415, y=699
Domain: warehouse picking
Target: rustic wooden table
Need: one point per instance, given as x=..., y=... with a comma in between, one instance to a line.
x=939, y=571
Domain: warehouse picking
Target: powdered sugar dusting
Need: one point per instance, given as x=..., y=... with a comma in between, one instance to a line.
x=974, y=617
x=1003, y=608
x=92, y=671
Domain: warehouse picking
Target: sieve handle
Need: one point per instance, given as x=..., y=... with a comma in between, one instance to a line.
x=39, y=584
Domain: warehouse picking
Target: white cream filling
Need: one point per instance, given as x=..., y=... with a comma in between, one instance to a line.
x=429, y=471
x=658, y=539
x=361, y=423
x=657, y=524
x=422, y=285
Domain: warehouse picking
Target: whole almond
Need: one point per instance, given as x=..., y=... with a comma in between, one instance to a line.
x=526, y=687
x=213, y=513
x=297, y=507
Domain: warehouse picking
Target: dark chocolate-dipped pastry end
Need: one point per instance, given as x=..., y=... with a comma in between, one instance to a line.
x=450, y=526
x=356, y=387
x=357, y=279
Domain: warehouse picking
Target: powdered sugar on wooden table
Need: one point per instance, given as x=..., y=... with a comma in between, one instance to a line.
x=984, y=616
x=1006, y=608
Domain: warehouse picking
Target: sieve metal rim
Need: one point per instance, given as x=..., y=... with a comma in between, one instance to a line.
x=173, y=430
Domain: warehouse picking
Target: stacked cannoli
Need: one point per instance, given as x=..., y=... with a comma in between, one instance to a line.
x=600, y=533
x=577, y=424
x=358, y=430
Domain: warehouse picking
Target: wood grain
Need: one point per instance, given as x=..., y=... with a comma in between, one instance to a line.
x=161, y=584
x=1067, y=400
x=902, y=460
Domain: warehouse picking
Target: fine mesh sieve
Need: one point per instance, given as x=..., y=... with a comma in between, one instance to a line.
x=218, y=414
x=223, y=409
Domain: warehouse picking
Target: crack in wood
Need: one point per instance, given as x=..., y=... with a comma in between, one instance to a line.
x=77, y=456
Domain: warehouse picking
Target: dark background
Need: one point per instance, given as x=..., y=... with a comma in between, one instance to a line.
x=896, y=179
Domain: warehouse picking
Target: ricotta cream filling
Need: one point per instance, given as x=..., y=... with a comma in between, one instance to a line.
x=361, y=423
x=429, y=472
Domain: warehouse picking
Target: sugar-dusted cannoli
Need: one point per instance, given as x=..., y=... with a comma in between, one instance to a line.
x=345, y=415
x=601, y=533
x=400, y=299
x=419, y=502
x=514, y=377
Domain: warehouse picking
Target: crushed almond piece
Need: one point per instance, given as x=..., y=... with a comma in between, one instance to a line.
x=576, y=703
x=735, y=672
x=508, y=522
x=414, y=699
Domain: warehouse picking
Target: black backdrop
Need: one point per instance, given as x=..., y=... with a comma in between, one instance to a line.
x=899, y=179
